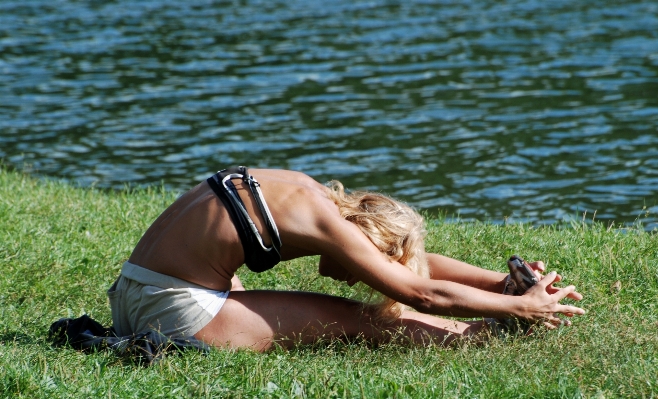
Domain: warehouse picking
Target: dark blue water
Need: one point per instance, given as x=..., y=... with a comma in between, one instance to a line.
x=491, y=110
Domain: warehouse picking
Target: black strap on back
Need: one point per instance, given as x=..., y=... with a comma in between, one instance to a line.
x=257, y=256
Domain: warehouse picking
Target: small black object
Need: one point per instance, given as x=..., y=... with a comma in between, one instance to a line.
x=521, y=275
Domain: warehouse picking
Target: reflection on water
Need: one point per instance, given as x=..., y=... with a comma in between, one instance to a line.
x=526, y=109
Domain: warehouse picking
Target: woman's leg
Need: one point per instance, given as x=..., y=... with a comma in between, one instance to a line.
x=444, y=268
x=259, y=319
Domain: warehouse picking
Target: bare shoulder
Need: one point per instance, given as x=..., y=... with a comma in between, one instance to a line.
x=300, y=207
x=304, y=205
x=310, y=221
x=287, y=176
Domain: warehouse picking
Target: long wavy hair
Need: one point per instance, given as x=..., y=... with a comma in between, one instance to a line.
x=393, y=227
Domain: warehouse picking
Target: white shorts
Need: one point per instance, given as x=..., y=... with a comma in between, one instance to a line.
x=142, y=299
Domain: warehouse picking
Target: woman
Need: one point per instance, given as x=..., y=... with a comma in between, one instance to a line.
x=180, y=279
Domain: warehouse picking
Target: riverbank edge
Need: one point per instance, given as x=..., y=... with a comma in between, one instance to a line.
x=61, y=247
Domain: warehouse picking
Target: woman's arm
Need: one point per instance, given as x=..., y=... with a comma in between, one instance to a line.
x=350, y=248
x=445, y=268
x=540, y=303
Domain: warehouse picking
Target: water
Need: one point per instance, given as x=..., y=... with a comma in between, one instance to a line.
x=491, y=110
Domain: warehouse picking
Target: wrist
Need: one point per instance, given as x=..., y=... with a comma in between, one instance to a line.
x=521, y=307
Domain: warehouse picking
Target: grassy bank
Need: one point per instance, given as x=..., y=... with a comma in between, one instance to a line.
x=61, y=247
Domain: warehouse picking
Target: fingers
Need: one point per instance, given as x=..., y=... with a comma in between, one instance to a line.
x=552, y=278
x=549, y=326
x=569, y=310
x=569, y=291
x=538, y=268
x=538, y=265
x=549, y=279
x=571, y=294
x=552, y=322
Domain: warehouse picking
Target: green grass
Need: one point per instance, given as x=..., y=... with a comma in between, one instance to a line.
x=61, y=247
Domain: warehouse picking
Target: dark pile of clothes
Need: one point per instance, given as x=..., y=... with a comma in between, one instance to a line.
x=146, y=348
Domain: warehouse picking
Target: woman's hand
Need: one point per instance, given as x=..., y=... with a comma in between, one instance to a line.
x=543, y=302
x=538, y=267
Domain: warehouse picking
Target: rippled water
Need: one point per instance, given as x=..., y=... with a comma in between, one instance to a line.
x=528, y=110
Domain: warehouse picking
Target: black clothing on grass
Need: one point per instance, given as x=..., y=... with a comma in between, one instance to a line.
x=86, y=334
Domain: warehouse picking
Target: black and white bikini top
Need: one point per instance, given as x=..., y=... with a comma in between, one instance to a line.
x=257, y=256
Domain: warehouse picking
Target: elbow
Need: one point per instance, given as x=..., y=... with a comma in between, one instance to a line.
x=431, y=302
x=423, y=302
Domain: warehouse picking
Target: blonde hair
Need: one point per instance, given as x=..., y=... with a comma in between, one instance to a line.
x=393, y=227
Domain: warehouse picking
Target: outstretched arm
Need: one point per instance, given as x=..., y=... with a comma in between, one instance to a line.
x=349, y=247
x=540, y=303
x=474, y=294
x=445, y=268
